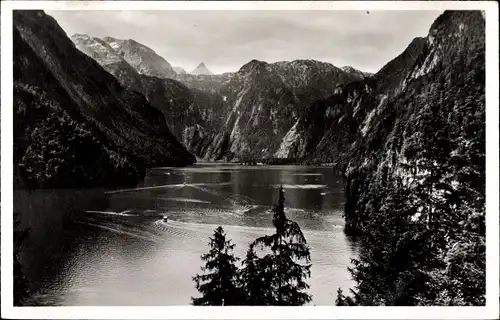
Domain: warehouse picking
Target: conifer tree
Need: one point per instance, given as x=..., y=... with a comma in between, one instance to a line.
x=218, y=285
x=253, y=284
x=286, y=267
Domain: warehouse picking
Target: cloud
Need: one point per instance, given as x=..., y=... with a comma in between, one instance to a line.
x=225, y=40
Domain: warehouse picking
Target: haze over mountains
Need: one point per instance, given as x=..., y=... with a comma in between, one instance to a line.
x=301, y=109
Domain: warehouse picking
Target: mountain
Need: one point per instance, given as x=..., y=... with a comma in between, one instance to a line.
x=201, y=69
x=179, y=70
x=415, y=169
x=142, y=58
x=74, y=124
x=264, y=100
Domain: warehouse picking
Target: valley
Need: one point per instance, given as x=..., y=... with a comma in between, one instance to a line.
x=395, y=157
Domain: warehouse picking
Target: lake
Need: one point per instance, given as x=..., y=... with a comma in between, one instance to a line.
x=111, y=248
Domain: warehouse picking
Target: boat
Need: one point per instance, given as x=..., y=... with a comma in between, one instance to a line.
x=165, y=218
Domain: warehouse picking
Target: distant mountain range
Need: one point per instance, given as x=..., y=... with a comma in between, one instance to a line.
x=301, y=109
x=229, y=99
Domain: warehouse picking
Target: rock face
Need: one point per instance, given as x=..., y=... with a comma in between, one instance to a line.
x=74, y=124
x=201, y=69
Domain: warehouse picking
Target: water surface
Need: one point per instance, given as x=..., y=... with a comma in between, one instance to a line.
x=110, y=247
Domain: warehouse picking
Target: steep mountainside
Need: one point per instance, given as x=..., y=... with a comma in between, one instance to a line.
x=192, y=115
x=415, y=170
x=264, y=101
x=142, y=58
x=436, y=113
x=74, y=124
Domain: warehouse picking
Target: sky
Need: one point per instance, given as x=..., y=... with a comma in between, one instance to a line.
x=226, y=40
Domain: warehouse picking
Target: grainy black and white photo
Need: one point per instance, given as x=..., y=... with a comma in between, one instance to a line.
x=249, y=158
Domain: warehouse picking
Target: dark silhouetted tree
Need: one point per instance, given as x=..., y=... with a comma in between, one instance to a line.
x=286, y=267
x=253, y=284
x=218, y=285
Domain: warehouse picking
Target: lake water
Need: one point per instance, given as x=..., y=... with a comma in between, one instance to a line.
x=111, y=248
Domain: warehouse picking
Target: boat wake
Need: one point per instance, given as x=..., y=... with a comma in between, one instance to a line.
x=174, y=186
x=124, y=213
x=301, y=186
x=121, y=229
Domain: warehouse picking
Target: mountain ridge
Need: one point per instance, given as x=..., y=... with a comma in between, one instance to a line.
x=295, y=82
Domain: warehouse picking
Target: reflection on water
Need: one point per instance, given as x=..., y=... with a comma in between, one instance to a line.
x=111, y=247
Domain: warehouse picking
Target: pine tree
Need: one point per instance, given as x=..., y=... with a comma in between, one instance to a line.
x=253, y=284
x=281, y=269
x=218, y=285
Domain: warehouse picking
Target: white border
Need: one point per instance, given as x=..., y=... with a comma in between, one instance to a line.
x=491, y=310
